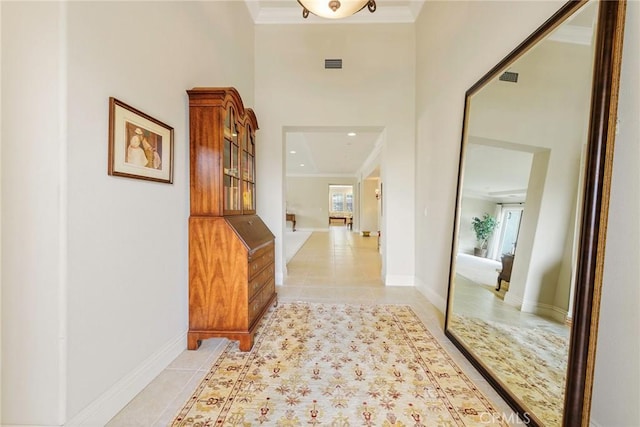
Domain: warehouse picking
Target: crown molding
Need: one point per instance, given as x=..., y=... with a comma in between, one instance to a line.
x=573, y=34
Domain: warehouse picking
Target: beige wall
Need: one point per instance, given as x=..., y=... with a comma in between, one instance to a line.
x=62, y=217
x=469, y=208
x=370, y=216
x=616, y=391
x=457, y=42
x=308, y=198
x=554, y=79
x=374, y=88
x=33, y=214
x=84, y=252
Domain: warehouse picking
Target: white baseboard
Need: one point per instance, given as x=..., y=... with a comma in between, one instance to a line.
x=29, y=425
x=547, y=310
x=105, y=407
x=397, y=280
x=439, y=302
x=280, y=277
x=512, y=300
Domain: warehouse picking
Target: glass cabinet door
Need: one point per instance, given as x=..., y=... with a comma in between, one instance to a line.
x=248, y=170
x=231, y=164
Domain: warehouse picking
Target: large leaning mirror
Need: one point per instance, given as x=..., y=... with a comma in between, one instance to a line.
x=527, y=250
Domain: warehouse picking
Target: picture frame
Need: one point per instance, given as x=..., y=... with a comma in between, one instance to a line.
x=140, y=146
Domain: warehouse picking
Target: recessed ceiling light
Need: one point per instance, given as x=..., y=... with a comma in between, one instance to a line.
x=301, y=164
x=351, y=134
x=292, y=152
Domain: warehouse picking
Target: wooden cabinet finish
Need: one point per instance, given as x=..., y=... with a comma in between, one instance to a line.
x=231, y=250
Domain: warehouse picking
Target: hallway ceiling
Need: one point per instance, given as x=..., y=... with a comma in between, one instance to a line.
x=290, y=12
x=330, y=151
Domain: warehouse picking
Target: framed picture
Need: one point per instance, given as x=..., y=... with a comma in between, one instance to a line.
x=139, y=145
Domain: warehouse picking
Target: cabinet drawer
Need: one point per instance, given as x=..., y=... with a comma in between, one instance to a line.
x=264, y=250
x=268, y=290
x=257, y=263
x=260, y=279
x=257, y=303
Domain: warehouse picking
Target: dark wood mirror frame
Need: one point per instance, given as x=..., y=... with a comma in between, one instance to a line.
x=589, y=268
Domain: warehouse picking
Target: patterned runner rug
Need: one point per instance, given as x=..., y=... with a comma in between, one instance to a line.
x=338, y=365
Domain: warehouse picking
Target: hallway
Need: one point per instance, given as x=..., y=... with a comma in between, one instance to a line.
x=337, y=257
x=338, y=266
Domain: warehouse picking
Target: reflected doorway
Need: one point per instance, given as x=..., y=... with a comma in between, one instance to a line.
x=510, y=229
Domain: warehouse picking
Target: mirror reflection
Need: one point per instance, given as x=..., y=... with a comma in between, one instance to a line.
x=521, y=185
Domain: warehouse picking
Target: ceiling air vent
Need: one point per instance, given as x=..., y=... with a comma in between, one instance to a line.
x=333, y=64
x=509, y=76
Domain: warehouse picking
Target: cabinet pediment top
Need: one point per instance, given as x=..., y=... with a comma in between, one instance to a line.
x=221, y=97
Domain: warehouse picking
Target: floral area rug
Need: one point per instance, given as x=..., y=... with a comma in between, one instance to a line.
x=531, y=362
x=338, y=365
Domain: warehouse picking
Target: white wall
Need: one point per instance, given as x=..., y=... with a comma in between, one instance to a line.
x=370, y=218
x=555, y=80
x=308, y=198
x=530, y=224
x=374, y=88
x=0, y=221
x=616, y=390
x=110, y=293
x=469, y=208
x=33, y=213
x=457, y=42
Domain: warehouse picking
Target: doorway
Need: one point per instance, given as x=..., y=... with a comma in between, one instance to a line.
x=324, y=174
x=341, y=205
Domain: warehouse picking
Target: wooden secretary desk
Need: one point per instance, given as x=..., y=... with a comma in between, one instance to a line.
x=231, y=250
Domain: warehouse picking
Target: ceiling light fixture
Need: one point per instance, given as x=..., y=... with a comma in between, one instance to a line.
x=335, y=9
x=292, y=152
x=351, y=134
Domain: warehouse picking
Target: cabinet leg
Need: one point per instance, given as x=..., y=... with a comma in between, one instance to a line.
x=246, y=342
x=193, y=342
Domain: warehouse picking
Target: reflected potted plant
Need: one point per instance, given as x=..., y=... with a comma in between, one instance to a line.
x=484, y=228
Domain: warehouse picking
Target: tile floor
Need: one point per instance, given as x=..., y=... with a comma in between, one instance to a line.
x=339, y=258
x=336, y=266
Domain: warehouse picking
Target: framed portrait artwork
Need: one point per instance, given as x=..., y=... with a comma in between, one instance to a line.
x=139, y=146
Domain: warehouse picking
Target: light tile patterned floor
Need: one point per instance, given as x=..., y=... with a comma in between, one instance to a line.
x=337, y=257
x=336, y=266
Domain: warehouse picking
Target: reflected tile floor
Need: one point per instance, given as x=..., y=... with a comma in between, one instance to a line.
x=479, y=301
x=332, y=267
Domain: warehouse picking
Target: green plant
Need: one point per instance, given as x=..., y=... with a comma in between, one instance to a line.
x=484, y=228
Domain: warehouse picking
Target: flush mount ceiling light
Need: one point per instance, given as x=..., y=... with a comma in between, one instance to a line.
x=335, y=9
